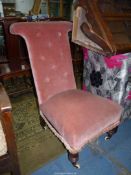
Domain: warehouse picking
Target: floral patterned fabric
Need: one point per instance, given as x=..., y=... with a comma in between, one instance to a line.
x=109, y=77
x=3, y=145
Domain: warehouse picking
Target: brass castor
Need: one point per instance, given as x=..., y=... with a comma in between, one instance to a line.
x=107, y=138
x=111, y=133
x=74, y=159
x=45, y=127
x=77, y=165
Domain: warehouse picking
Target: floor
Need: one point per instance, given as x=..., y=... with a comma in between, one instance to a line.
x=111, y=157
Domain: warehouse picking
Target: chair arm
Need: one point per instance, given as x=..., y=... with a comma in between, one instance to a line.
x=5, y=104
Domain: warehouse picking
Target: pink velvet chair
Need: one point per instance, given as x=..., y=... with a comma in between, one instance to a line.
x=75, y=117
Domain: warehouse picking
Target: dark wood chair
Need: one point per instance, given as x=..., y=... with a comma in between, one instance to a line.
x=14, y=63
x=8, y=151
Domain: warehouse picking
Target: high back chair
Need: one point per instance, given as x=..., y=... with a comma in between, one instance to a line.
x=75, y=117
x=8, y=152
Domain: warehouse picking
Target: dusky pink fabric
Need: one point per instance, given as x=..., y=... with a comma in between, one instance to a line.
x=50, y=57
x=80, y=116
x=77, y=116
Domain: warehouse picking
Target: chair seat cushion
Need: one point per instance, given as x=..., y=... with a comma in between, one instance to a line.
x=3, y=145
x=80, y=116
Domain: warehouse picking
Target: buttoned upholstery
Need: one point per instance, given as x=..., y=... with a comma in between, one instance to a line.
x=75, y=116
x=45, y=56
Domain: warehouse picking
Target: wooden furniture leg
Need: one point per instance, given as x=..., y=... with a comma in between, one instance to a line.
x=73, y=158
x=8, y=161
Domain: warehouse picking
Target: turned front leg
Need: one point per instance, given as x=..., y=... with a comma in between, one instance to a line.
x=73, y=158
x=111, y=133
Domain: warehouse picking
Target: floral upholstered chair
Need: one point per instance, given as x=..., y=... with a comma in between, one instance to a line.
x=76, y=117
x=8, y=152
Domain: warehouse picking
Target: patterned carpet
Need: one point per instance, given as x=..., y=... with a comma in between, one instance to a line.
x=36, y=146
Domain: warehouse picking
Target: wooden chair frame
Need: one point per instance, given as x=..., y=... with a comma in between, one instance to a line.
x=9, y=161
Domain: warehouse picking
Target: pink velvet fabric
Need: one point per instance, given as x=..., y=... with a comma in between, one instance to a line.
x=80, y=116
x=77, y=116
x=50, y=57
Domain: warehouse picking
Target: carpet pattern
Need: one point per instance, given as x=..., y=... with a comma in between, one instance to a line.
x=35, y=145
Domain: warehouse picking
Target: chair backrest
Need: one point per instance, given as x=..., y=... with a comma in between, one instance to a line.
x=50, y=57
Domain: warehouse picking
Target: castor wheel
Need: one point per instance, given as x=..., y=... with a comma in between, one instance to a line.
x=45, y=127
x=74, y=159
x=77, y=165
x=111, y=133
x=107, y=138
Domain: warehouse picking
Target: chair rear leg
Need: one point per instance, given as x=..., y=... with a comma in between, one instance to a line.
x=73, y=158
x=16, y=171
x=43, y=123
x=111, y=133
